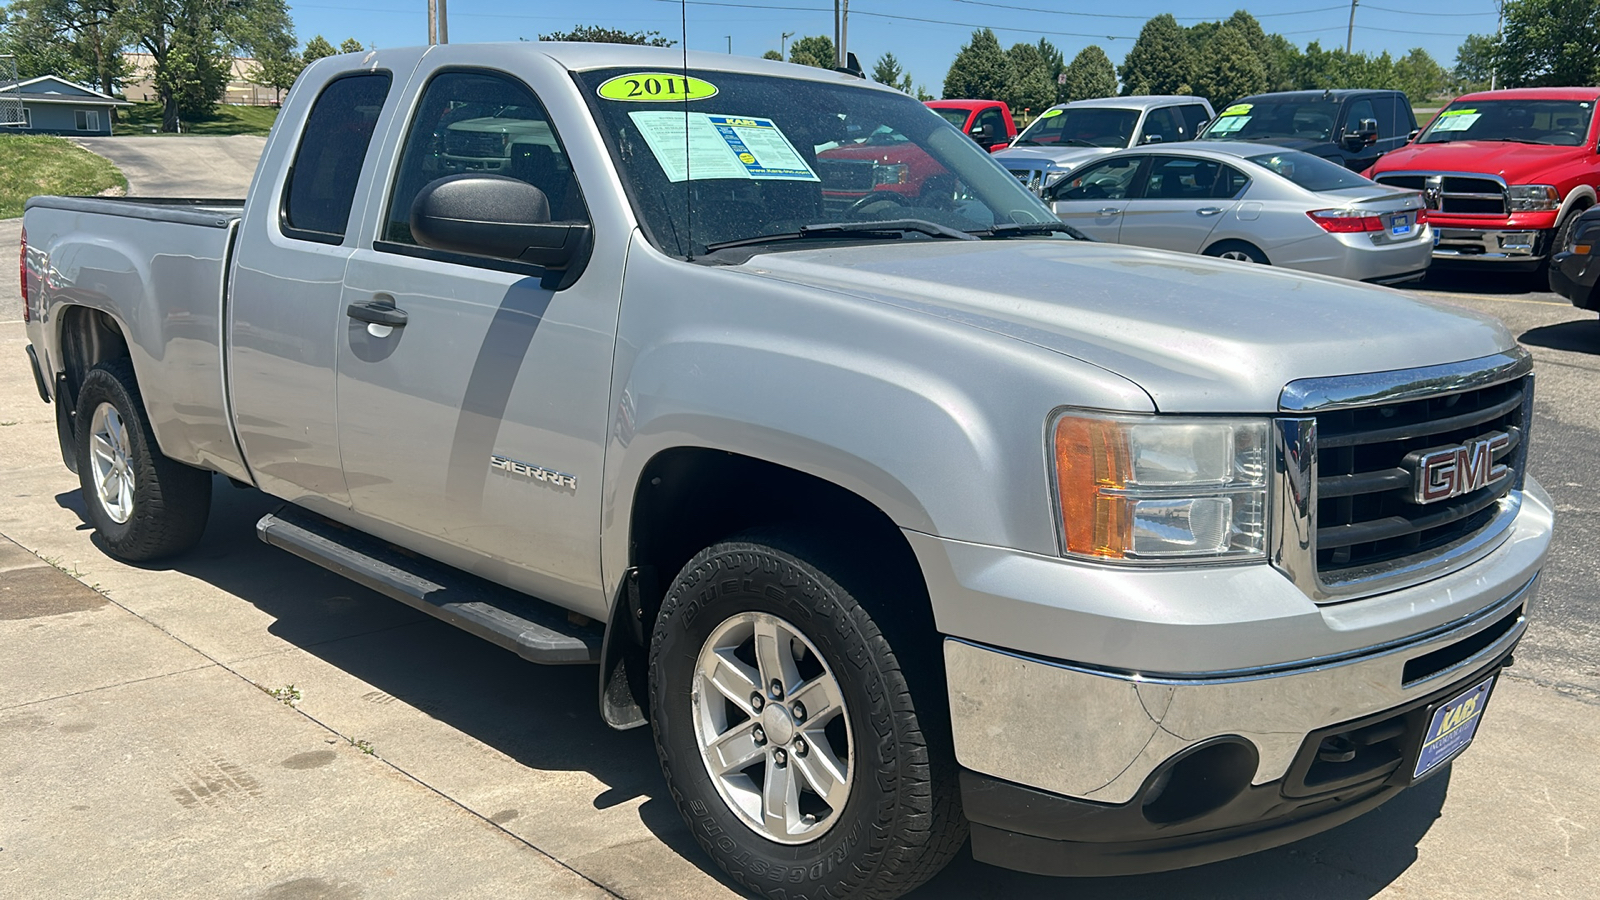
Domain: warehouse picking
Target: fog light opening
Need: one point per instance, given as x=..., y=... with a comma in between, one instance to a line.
x=1203, y=779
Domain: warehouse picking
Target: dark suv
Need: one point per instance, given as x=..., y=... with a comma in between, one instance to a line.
x=1350, y=127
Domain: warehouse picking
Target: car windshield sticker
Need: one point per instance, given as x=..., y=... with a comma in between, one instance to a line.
x=1456, y=120
x=656, y=87
x=1238, y=109
x=1228, y=124
x=720, y=147
x=1051, y=113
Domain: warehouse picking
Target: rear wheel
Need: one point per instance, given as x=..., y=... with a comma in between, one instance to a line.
x=788, y=733
x=1239, y=251
x=143, y=505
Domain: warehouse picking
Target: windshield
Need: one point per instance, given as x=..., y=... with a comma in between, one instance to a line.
x=1310, y=172
x=1563, y=123
x=1311, y=120
x=1088, y=126
x=956, y=117
x=779, y=156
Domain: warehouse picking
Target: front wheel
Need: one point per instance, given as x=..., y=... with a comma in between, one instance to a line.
x=788, y=734
x=143, y=505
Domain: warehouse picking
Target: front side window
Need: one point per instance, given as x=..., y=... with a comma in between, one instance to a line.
x=327, y=164
x=1562, y=123
x=747, y=157
x=991, y=119
x=1161, y=125
x=1255, y=119
x=1361, y=109
x=481, y=122
x=1194, y=118
x=1112, y=179
x=1084, y=126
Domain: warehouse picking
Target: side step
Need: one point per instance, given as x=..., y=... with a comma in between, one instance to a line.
x=534, y=630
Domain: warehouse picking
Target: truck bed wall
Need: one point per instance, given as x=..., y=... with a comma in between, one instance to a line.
x=158, y=270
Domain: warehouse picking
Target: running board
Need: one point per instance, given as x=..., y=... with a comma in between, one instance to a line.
x=532, y=629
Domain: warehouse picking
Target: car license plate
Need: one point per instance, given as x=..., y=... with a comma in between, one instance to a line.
x=1436, y=237
x=1399, y=225
x=1452, y=728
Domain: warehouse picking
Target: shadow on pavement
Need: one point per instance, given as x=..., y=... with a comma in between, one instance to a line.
x=1468, y=281
x=545, y=718
x=1582, y=336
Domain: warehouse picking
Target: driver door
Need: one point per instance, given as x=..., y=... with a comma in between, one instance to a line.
x=1095, y=198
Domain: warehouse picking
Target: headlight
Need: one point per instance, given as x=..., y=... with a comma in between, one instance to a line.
x=1051, y=178
x=895, y=173
x=1153, y=488
x=1532, y=197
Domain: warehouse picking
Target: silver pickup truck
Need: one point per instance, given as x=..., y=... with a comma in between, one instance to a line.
x=895, y=519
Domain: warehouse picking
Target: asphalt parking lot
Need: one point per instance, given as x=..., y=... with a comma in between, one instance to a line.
x=240, y=723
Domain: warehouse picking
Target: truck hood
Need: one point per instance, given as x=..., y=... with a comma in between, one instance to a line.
x=1516, y=163
x=1063, y=157
x=1197, y=334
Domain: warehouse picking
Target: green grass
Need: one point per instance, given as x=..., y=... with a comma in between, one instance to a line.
x=142, y=118
x=41, y=164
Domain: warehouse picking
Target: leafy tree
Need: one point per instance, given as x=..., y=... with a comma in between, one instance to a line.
x=596, y=34
x=1276, y=64
x=981, y=71
x=277, y=65
x=80, y=40
x=1475, y=61
x=814, y=50
x=191, y=43
x=1550, y=42
x=32, y=42
x=772, y=54
x=1321, y=69
x=1160, y=61
x=1033, y=77
x=350, y=45
x=1090, y=75
x=317, y=48
x=1420, y=76
x=1228, y=68
x=1283, y=61
x=887, y=70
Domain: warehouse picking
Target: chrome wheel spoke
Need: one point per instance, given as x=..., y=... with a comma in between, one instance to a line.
x=110, y=467
x=733, y=679
x=774, y=656
x=102, y=450
x=820, y=698
x=734, y=750
x=780, y=800
x=823, y=772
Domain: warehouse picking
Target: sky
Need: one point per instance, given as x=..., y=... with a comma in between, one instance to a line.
x=924, y=35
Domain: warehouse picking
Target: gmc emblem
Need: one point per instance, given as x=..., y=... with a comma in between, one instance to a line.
x=1445, y=472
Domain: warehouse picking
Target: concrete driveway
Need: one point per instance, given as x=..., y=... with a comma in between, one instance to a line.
x=208, y=167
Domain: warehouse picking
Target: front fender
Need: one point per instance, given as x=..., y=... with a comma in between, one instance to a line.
x=941, y=426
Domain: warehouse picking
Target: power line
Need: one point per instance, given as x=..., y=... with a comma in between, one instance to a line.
x=1062, y=12
x=878, y=15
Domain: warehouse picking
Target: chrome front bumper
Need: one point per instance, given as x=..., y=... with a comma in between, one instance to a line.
x=1488, y=245
x=1100, y=735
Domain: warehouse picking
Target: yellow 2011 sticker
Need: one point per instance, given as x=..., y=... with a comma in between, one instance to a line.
x=1051, y=113
x=657, y=87
x=1238, y=109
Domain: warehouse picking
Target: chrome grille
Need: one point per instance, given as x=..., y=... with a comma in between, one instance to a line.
x=1463, y=194
x=1032, y=179
x=1366, y=516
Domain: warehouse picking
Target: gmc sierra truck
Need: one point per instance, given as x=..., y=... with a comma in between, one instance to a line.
x=895, y=523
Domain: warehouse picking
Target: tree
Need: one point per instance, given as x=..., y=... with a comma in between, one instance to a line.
x=1090, y=75
x=1548, y=43
x=350, y=45
x=317, y=48
x=814, y=50
x=772, y=54
x=981, y=71
x=191, y=44
x=1475, y=61
x=79, y=40
x=277, y=65
x=1285, y=61
x=1160, y=61
x=1033, y=80
x=1276, y=64
x=1229, y=68
x=1420, y=76
x=887, y=70
x=596, y=34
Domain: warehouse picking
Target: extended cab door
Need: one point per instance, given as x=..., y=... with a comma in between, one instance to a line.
x=1094, y=199
x=474, y=431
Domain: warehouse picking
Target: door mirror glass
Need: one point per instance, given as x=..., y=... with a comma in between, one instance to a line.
x=496, y=216
x=1151, y=139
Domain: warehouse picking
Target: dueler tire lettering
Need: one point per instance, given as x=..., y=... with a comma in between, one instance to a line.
x=171, y=501
x=901, y=823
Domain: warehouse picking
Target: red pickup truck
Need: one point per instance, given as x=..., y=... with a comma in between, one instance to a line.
x=1505, y=174
x=988, y=122
x=865, y=168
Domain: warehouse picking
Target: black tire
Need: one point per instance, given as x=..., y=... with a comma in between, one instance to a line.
x=170, y=501
x=902, y=821
x=1563, y=235
x=1235, y=249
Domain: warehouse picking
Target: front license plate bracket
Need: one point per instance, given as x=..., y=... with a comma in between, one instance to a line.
x=1451, y=727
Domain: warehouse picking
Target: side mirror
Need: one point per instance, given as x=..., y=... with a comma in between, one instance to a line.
x=986, y=134
x=499, y=217
x=1413, y=135
x=1365, y=135
x=1151, y=139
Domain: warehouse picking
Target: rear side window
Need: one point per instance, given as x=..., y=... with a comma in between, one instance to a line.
x=1181, y=178
x=327, y=164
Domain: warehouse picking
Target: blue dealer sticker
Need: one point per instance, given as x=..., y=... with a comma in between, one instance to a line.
x=1452, y=728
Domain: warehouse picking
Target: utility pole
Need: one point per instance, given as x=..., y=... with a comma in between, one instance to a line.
x=838, y=39
x=1348, y=35
x=730, y=43
x=433, y=22
x=1499, y=29
x=844, y=35
x=444, y=23
x=783, y=44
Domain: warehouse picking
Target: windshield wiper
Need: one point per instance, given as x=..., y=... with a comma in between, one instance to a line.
x=850, y=231
x=1504, y=140
x=1025, y=228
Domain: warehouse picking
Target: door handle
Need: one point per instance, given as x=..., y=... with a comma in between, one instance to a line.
x=380, y=310
x=1208, y=210
x=1109, y=211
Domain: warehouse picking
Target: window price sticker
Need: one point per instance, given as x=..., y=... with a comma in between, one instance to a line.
x=744, y=147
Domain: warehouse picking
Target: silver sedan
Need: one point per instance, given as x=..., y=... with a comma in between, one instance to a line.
x=1252, y=203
